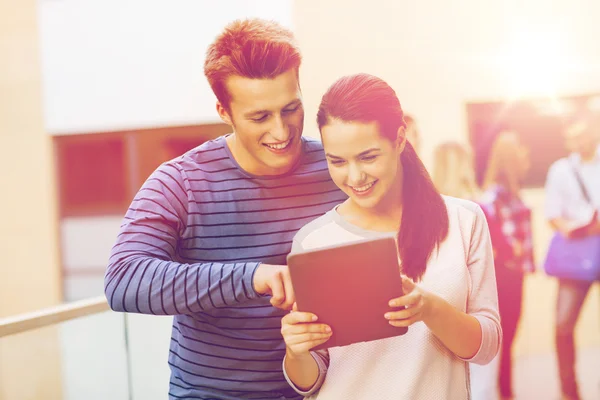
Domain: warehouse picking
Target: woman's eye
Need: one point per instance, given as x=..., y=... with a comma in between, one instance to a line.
x=336, y=162
x=369, y=158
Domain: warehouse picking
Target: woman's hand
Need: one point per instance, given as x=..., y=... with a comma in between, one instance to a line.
x=418, y=305
x=301, y=332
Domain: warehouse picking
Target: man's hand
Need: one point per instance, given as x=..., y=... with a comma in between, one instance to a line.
x=275, y=280
x=577, y=230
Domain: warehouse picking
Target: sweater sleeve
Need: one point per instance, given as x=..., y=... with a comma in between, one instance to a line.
x=322, y=359
x=483, y=296
x=143, y=275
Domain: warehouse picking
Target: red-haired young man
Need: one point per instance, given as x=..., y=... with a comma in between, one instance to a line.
x=206, y=237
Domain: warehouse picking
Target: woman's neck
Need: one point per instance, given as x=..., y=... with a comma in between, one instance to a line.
x=371, y=219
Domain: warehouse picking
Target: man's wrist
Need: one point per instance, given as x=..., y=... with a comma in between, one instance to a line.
x=251, y=269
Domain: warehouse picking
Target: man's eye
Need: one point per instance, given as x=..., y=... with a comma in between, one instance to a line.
x=291, y=110
x=261, y=119
x=336, y=162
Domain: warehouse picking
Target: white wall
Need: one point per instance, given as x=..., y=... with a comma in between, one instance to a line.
x=125, y=64
x=29, y=270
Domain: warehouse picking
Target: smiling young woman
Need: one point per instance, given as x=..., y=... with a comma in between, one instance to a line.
x=450, y=300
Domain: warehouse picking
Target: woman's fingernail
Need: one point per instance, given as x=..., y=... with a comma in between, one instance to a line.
x=387, y=316
x=328, y=329
x=392, y=304
x=314, y=318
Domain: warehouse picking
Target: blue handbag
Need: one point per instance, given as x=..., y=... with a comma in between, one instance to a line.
x=574, y=258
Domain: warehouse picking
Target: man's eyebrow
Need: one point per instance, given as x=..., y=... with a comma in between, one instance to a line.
x=293, y=102
x=256, y=113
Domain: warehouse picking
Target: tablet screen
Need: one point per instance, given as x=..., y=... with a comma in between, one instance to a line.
x=349, y=287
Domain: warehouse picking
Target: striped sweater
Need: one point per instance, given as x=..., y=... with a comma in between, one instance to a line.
x=189, y=245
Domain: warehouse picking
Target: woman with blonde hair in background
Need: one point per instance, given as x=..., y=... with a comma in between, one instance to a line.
x=453, y=173
x=509, y=220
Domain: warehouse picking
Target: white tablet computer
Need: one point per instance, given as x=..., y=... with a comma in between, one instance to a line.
x=349, y=287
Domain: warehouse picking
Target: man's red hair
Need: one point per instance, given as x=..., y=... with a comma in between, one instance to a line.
x=251, y=48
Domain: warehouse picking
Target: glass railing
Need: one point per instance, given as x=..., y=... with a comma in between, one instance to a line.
x=82, y=350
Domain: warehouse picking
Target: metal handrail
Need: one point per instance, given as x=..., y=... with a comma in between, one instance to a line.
x=52, y=315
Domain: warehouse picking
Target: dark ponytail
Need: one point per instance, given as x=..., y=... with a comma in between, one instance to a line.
x=366, y=98
x=424, y=222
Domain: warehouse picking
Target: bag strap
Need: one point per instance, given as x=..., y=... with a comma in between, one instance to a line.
x=582, y=187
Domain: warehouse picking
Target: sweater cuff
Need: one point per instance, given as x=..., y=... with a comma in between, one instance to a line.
x=322, y=372
x=491, y=336
x=248, y=280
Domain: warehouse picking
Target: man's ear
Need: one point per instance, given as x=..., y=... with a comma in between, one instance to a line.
x=401, y=139
x=224, y=114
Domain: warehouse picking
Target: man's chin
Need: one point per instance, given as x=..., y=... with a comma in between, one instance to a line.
x=282, y=163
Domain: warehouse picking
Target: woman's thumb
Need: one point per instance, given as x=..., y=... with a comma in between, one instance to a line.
x=407, y=284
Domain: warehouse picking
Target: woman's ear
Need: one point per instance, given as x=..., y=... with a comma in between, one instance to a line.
x=401, y=139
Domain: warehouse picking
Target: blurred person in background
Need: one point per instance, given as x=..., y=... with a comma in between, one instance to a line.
x=509, y=220
x=572, y=215
x=206, y=237
x=453, y=173
x=412, y=133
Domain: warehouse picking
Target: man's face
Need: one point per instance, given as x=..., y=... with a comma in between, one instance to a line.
x=267, y=117
x=580, y=138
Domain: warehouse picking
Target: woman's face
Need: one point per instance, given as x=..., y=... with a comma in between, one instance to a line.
x=511, y=158
x=520, y=161
x=524, y=160
x=463, y=167
x=363, y=163
x=581, y=139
